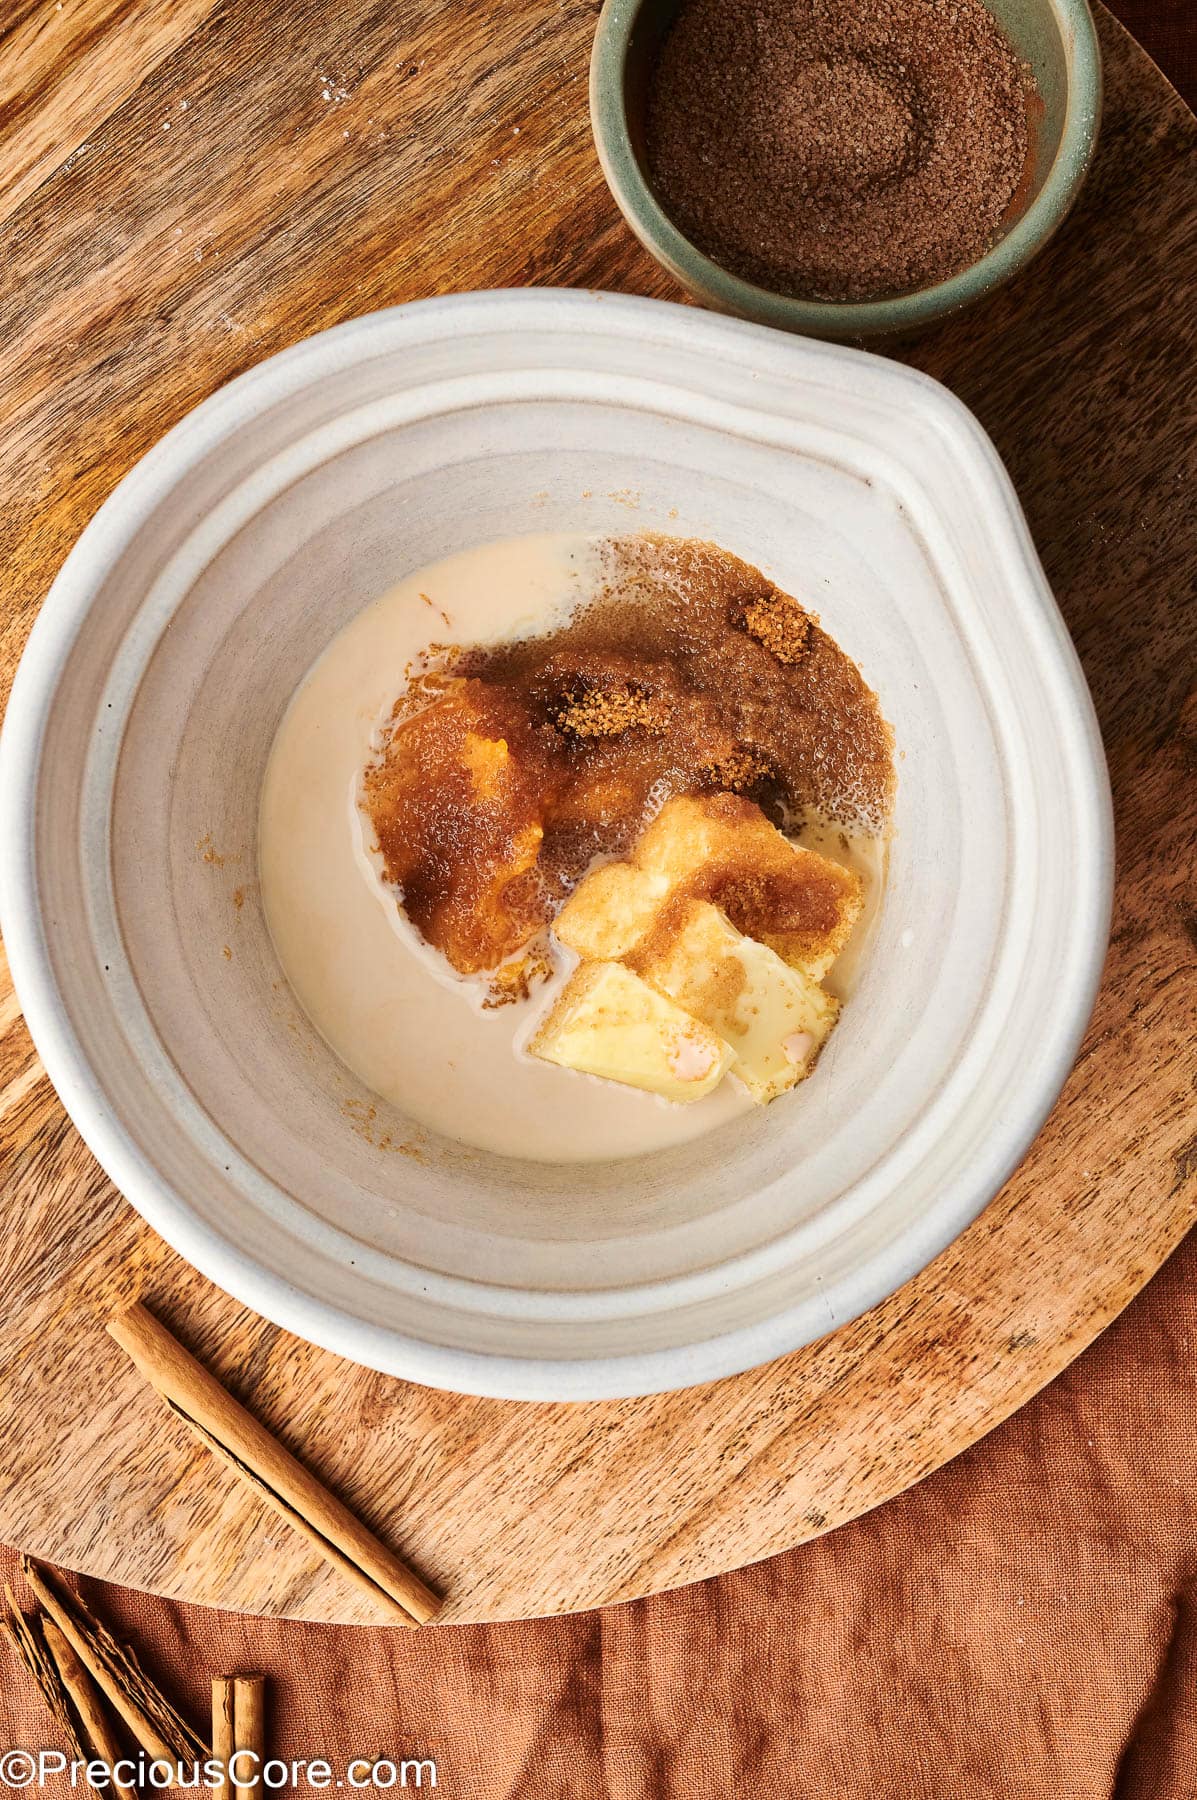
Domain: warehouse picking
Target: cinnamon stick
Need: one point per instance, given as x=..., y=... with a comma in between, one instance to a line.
x=162, y=1733
x=249, y=1729
x=84, y=1696
x=246, y=1446
x=31, y=1647
x=223, y=1738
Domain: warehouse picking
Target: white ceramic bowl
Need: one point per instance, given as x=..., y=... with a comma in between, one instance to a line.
x=147, y=701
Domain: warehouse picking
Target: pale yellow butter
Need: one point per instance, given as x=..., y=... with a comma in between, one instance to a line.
x=609, y=1022
x=691, y=834
x=610, y=911
x=774, y=1017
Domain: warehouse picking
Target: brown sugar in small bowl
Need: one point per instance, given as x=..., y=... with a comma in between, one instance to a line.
x=1056, y=38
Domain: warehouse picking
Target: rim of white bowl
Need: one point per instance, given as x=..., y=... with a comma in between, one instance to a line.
x=119, y=1153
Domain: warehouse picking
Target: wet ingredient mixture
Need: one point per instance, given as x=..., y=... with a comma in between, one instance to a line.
x=839, y=149
x=507, y=771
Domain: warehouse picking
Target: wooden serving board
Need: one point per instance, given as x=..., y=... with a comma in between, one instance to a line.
x=191, y=186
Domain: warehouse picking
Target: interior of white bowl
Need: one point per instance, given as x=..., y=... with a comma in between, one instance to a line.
x=171, y=648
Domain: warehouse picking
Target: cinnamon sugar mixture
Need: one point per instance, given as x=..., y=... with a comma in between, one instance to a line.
x=842, y=149
x=507, y=770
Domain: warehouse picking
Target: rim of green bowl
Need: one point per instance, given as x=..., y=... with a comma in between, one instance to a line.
x=848, y=318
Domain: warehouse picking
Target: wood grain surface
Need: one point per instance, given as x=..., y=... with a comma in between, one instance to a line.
x=190, y=186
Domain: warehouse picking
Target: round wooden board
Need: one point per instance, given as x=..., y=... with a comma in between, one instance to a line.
x=317, y=166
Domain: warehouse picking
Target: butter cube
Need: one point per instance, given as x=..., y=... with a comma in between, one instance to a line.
x=689, y=830
x=775, y=1018
x=802, y=905
x=609, y=912
x=608, y=1022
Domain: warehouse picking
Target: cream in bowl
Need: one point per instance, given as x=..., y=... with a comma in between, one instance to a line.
x=602, y=1238
x=522, y=848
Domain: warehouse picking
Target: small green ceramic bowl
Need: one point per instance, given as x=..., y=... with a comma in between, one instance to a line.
x=1056, y=37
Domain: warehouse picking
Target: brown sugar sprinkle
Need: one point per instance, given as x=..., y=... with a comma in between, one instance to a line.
x=840, y=149
x=778, y=622
x=602, y=714
x=489, y=803
x=739, y=771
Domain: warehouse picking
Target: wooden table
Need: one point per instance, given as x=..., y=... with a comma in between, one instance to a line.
x=192, y=184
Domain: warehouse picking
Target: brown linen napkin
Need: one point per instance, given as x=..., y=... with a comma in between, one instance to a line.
x=1167, y=30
